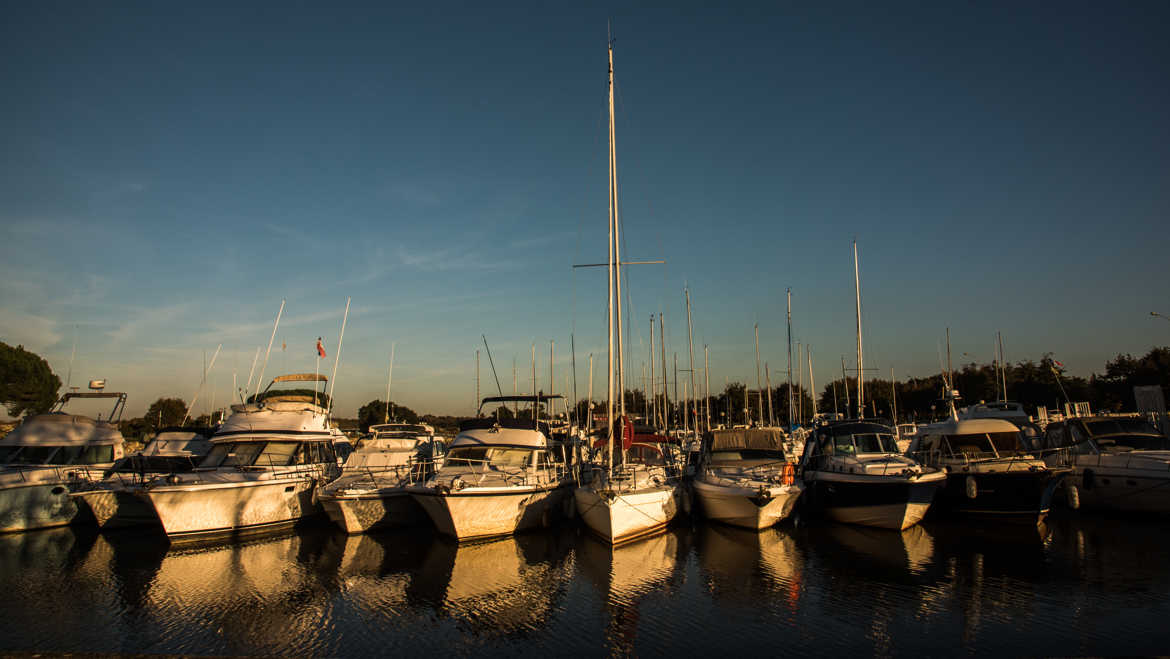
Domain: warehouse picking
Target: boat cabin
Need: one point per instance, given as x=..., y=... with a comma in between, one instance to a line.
x=58, y=438
x=271, y=453
x=968, y=440
x=1096, y=435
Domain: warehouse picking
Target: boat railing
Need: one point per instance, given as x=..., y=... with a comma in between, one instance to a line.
x=413, y=472
x=481, y=470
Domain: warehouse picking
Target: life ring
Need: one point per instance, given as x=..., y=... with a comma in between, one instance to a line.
x=789, y=474
x=972, y=487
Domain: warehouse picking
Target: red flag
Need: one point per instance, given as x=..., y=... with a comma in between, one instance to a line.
x=1058, y=363
x=320, y=348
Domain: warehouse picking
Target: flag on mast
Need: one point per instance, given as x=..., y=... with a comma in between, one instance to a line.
x=320, y=348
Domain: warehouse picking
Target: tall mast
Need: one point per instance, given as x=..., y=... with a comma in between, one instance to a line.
x=477, y=398
x=893, y=397
x=768, y=384
x=573, y=361
x=706, y=389
x=845, y=383
x=799, y=386
x=617, y=247
x=677, y=400
x=589, y=405
x=609, y=400
x=860, y=361
x=789, y=294
x=535, y=395
x=551, y=376
x=1002, y=365
x=690, y=343
x=662, y=348
x=811, y=384
x=653, y=396
x=759, y=383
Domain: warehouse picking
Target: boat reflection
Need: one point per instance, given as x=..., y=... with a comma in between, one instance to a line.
x=628, y=575
x=505, y=587
x=893, y=554
x=751, y=568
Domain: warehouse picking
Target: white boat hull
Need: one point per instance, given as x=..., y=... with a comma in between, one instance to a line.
x=115, y=508
x=623, y=516
x=232, y=507
x=746, y=508
x=360, y=513
x=24, y=507
x=896, y=516
x=475, y=513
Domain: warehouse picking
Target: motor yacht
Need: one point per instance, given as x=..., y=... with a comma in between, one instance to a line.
x=855, y=475
x=500, y=475
x=47, y=455
x=746, y=479
x=371, y=491
x=112, y=502
x=990, y=470
x=265, y=467
x=1118, y=463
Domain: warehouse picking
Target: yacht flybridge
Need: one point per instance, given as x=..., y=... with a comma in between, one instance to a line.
x=49, y=453
x=371, y=491
x=500, y=475
x=638, y=488
x=265, y=465
x=745, y=478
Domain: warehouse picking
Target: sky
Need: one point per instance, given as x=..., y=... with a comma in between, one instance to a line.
x=172, y=172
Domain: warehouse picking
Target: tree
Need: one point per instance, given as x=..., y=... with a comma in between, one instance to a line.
x=165, y=412
x=27, y=384
x=374, y=412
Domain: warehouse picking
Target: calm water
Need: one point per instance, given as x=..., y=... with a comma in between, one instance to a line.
x=1083, y=585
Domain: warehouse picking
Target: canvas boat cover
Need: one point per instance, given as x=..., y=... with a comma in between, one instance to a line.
x=737, y=439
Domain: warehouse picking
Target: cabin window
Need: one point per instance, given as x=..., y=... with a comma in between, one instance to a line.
x=278, y=454
x=971, y=446
x=35, y=455
x=242, y=454
x=1006, y=442
x=874, y=443
x=93, y=455
x=498, y=457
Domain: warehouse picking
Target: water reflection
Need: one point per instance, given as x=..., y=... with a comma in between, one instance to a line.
x=625, y=576
x=1082, y=585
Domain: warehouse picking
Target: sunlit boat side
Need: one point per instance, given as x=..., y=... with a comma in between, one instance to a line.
x=112, y=502
x=498, y=477
x=745, y=478
x=266, y=463
x=372, y=489
x=47, y=455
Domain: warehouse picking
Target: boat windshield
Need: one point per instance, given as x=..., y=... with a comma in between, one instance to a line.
x=261, y=454
x=985, y=445
x=864, y=443
x=1133, y=443
x=493, y=456
x=57, y=455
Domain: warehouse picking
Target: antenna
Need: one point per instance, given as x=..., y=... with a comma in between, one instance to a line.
x=337, y=357
x=270, y=340
x=492, y=363
x=69, y=376
x=389, y=379
x=201, y=381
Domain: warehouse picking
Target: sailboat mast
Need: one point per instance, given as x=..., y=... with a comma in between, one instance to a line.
x=768, y=384
x=759, y=383
x=653, y=396
x=609, y=399
x=799, y=386
x=860, y=361
x=691, y=346
x=811, y=384
x=789, y=295
x=589, y=405
x=617, y=248
x=662, y=348
x=706, y=389
x=845, y=383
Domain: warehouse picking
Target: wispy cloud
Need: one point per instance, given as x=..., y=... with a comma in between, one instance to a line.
x=148, y=319
x=542, y=241
x=33, y=332
x=291, y=233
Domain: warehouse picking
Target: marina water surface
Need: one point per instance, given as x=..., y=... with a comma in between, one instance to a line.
x=1079, y=585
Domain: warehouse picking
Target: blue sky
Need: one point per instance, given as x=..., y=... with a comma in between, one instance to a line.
x=172, y=172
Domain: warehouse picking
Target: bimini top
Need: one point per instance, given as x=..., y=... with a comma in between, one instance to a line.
x=500, y=437
x=60, y=429
x=736, y=439
x=299, y=377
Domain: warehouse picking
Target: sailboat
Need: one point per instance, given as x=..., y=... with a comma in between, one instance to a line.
x=639, y=489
